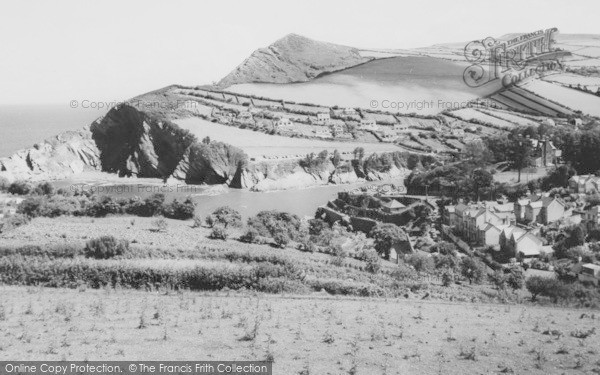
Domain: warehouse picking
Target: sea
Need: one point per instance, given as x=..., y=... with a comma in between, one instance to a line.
x=22, y=126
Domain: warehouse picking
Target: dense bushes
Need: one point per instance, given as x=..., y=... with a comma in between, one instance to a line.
x=275, y=223
x=105, y=247
x=101, y=206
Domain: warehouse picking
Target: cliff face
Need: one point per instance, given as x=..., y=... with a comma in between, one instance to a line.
x=293, y=58
x=66, y=154
x=135, y=143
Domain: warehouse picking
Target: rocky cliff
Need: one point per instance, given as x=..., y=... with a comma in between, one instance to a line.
x=293, y=58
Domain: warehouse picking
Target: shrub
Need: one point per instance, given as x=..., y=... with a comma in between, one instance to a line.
x=403, y=273
x=385, y=236
x=180, y=210
x=219, y=233
x=281, y=239
x=516, y=279
x=20, y=188
x=13, y=221
x=44, y=188
x=447, y=277
x=105, y=247
x=225, y=216
x=269, y=223
x=421, y=262
x=197, y=222
x=372, y=259
x=472, y=269
x=251, y=236
x=160, y=224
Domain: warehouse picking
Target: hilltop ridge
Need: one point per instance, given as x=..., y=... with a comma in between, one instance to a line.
x=293, y=58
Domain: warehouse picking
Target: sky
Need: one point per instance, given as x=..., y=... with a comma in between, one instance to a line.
x=63, y=50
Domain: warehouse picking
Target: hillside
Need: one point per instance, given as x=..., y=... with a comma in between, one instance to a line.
x=293, y=58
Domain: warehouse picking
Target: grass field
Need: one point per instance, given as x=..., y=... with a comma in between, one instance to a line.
x=302, y=335
x=258, y=144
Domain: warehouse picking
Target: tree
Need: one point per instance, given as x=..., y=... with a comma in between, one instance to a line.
x=444, y=248
x=519, y=154
x=385, y=236
x=359, y=153
x=536, y=285
x=472, y=269
x=478, y=154
x=515, y=279
x=498, y=279
x=482, y=182
x=225, y=216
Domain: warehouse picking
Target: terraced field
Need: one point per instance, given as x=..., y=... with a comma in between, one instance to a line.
x=575, y=99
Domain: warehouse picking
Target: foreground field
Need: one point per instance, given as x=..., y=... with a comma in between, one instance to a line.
x=302, y=335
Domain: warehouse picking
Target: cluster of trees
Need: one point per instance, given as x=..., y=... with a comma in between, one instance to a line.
x=99, y=206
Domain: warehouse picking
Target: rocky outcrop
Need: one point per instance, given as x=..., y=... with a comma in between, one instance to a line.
x=68, y=153
x=135, y=143
x=293, y=58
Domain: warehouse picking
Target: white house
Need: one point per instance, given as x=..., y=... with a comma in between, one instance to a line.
x=323, y=118
x=323, y=132
x=283, y=123
x=590, y=272
x=368, y=124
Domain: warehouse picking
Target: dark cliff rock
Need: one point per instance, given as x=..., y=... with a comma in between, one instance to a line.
x=134, y=143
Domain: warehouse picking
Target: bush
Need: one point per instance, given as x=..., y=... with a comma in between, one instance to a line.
x=225, y=216
x=160, y=224
x=219, y=233
x=372, y=259
x=105, y=247
x=251, y=236
x=20, y=188
x=421, y=262
x=180, y=210
x=270, y=223
x=385, y=236
x=281, y=239
x=472, y=269
x=13, y=221
x=515, y=279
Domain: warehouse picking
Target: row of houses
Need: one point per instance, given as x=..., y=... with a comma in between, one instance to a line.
x=494, y=224
x=584, y=184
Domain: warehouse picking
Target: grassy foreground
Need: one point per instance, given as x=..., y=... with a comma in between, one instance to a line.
x=302, y=335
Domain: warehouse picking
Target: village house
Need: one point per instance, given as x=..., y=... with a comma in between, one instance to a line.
x=284, y=124
x=589, y=273
x=545, y=153
x=368, y=124
x=520, y=242
x=591, y=217
x=337, y=126
x=349, y=112
x=322, y=132
x=575, y=122
x=472, y=222
x=540, y=209
x=387, y=135
x=8, y=205
x=584, y=184
x=323, y=118
x=400, y=127
x=399, y=249
x=393, y=206
x=457, y=132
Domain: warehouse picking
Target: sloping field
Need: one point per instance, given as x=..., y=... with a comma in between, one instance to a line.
x=531, y=104
x=510, y=117
x=577, y=100
x=592, y=83
x=399, y=84
x=258, y=144
x=473, y=114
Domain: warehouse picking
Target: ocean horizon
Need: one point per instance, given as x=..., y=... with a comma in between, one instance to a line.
x=23, y=125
